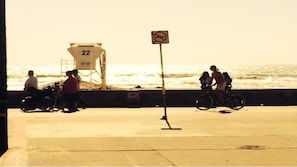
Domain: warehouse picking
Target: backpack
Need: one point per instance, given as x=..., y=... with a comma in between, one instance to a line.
x=228, y=80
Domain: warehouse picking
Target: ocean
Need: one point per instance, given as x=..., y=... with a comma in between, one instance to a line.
x=177, y=76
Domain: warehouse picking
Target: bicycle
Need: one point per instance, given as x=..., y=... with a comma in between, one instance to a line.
x=209, y=100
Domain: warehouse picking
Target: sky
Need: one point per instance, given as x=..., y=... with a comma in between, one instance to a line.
x=200, y=31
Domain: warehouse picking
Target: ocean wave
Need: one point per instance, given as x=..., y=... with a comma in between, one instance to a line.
x=176, y=76
x=38, y=76
x=241, y=77
x=49, y=75
x=180, y=75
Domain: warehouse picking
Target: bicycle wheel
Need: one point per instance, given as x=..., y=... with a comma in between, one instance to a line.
x=204, y=102
x=236, y=102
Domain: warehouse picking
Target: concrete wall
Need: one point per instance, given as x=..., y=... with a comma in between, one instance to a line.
x=174, y=98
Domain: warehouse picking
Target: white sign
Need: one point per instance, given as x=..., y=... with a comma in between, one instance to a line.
x=85, y=55
x=160, y=37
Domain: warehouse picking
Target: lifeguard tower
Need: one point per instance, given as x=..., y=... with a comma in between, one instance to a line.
x=85, y=56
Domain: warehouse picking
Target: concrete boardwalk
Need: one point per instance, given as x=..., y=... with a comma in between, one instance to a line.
x=263, y=136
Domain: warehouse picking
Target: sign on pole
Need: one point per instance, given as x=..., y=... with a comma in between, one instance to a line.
x=160, y=37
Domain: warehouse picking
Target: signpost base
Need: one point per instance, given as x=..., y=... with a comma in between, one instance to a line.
x=171, y=128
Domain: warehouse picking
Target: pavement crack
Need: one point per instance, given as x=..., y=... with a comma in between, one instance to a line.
x=160, y=154
x=245, y=147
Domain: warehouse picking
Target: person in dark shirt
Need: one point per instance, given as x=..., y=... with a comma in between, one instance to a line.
x=205, y=81
x=79, y=100
x=228, y=80
x=69, y=91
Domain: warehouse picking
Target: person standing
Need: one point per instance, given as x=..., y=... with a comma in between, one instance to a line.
x=79, y=100
x=219, y=82
x=69, y=92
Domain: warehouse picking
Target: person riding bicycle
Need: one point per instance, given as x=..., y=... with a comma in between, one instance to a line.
x=219, y=82
x=205, y=81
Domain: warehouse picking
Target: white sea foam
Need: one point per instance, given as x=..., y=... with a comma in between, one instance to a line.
x=176, y=76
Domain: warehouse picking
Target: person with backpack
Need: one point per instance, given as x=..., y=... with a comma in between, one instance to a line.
x=228, y=80
x=205, y=81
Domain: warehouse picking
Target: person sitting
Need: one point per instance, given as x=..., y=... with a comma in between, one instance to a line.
x=205, y=81
x=228, y=80
x=31, y=84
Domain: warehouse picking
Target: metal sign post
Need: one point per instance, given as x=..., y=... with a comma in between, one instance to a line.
x=163, y=89
x=160, y=37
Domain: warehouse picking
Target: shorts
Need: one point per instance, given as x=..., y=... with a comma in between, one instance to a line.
x=221, y=86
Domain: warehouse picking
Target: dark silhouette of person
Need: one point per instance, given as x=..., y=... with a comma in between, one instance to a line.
x=69, y=92
x=205, y=81
x=228, y=80
x=219, y=82
x=79, y=100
